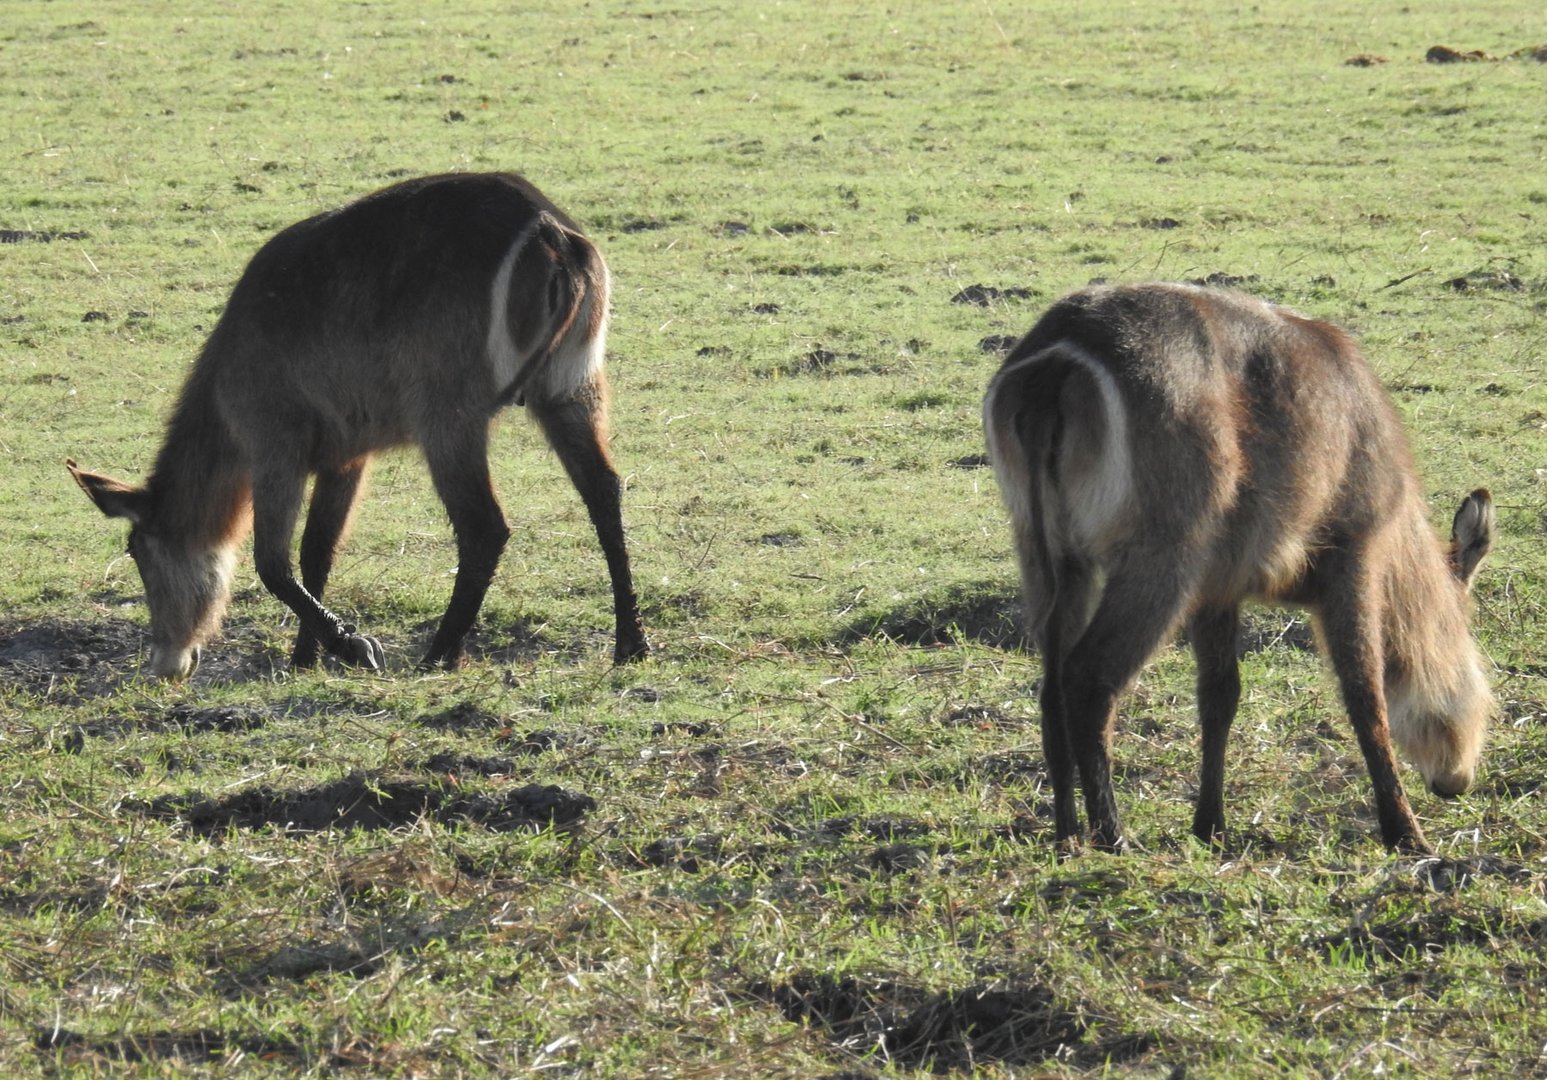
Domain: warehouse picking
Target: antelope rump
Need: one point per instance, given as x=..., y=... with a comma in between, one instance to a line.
x=1168, y=452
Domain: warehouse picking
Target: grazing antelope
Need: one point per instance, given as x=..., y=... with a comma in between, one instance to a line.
x=410, y=316
x=1167, y=452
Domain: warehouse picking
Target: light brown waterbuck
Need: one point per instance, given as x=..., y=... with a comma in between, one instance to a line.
x=1168, y=452
x=411, y=316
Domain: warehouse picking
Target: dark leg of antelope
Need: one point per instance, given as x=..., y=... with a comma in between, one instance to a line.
x=574, y=429
x=1071, y=587
x=1214, y=636
x=460, y=468
x=1351, y=626
x=276, y=498
x=333, y=499
x=1139, y=608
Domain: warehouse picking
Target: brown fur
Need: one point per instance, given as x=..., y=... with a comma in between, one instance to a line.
x=409, y=317
x=1168, y=452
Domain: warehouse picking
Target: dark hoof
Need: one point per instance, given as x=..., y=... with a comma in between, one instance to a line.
x=440, y=662
x=1111, y=843
x=630, y=652
x=305, y=654
x=1410, y=844
x=358, y=650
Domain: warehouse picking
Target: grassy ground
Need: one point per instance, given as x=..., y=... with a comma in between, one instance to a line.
x=809, y=836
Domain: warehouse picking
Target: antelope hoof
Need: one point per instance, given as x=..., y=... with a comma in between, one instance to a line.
x=305, y=654
x=630, y=652
x=1412, y=843
x=1111, y=842
x=359, y=650
x=451, y=661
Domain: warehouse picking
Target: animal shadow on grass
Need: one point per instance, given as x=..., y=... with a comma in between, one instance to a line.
x=1015, y=1024
x=104, y=1054
x=366, y=800
x=981, y=614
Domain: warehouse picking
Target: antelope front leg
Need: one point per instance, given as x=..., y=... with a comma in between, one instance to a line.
x=1219, y=693
x=276, y=502
x=1350, y=623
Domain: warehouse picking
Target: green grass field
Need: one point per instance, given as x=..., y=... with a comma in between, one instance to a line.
x=809, y=837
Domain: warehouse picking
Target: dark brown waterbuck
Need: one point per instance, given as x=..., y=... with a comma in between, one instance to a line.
x=1167, y=452
x=411, y=316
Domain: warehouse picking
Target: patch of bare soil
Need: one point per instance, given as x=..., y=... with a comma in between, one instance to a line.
x=1364, y=60
x=981, y=1025
x=369, y=801
x=997, y=343
x=67, y=661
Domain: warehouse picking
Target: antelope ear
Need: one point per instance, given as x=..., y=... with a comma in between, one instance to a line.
x=113, y=497
x=1471, y=535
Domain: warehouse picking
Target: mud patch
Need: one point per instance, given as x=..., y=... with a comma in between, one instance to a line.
x=1364, y=60
x=978, y=1026
x=997, y=343
x=68, y=661
x=368, y=801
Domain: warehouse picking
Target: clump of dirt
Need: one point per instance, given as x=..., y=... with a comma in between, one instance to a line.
x=985, y=295
x=1220, y=279
x=1444, y=54
x=1491, y=280
x=369, y=801
x=18, y=236
x=969, y=461
x=1016, y=1023
x=997, y=343
x=1364, y=60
